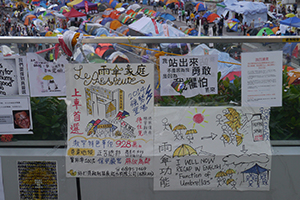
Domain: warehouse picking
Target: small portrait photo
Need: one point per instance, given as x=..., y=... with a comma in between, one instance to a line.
x=21, y=119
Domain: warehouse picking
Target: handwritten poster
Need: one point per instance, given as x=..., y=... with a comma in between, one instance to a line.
x=262, y=79
x=37, y=179
x=110, y=116
x=46, y=78
x=212, y=148
x=15, y=115
x=13, y=76
x=188, y=75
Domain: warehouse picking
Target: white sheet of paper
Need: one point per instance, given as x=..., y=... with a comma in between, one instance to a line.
x=9, y=108
x=13, y=76
x=110, y=113
x=262, y=79
x=202, y=71
x=46, y=78
x=211, y=148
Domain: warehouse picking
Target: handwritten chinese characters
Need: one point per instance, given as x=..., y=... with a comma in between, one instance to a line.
x=110, y=114
x=188, y=75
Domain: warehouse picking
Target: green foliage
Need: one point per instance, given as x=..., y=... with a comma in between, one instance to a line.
x=49, y=116
x=285, y=120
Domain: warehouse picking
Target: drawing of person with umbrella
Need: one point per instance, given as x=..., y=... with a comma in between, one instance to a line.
x=189, y=134
x=220, y=178
x=177, y=132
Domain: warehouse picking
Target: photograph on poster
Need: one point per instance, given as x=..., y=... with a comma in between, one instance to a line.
x=110, y=132
x=188, y=75
x=15, y=116
x=46, y=78
x=21, y=118
x=212, y=148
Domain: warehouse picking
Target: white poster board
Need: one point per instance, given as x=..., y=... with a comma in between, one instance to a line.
x=13, y=76
x=211, y=148
x=46, y=78
x=188, y=75
x=110, y=113
x=15, y=115
x=262, y=79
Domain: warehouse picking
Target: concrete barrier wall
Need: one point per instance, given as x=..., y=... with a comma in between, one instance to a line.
x=285, y=180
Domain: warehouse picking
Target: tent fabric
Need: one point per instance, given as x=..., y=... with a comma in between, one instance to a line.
x=101, y=31
x=146, y=26
x=212, y=17
x=114, y=14
x=123, y=30
x=245, y=7
x=268, y=31
x=133, y=7
x=105, y=20
x=250, y=10
x=81, y=5
x=102, y=48
x=200, y=7
x=226, y=64
x=288, y=48
x=115, y=24
x=118, y=57
x=293, y=21
x=71, y=4
x=168, y=16
x=28, y=19
x=74, y=13
x=107, y=12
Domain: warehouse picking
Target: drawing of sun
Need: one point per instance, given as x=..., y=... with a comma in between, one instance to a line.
x=197, y=118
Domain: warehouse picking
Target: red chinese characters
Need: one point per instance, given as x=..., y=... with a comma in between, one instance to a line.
x=76, y=103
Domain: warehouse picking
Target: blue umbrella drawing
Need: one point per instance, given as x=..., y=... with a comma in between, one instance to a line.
x=258, y=170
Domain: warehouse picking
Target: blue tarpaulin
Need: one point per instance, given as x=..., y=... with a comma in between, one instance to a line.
x=293, y=21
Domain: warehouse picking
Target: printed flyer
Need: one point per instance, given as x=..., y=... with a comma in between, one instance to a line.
x=46, y=78
x=262, y=79
x=37, y=179
x=110, y=114
x=212, y=148
x=15, y=116
x=13, y=76
x=188, y=75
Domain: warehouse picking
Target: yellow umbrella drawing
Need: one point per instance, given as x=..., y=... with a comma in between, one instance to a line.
x=229, y=181
x=232, y=115
x=179, y=127
x=239, y=139
x=220, y=174
x=184, y=150
x=191, y=131
x=230, y=172
x=226, y=138
x=48, y=77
